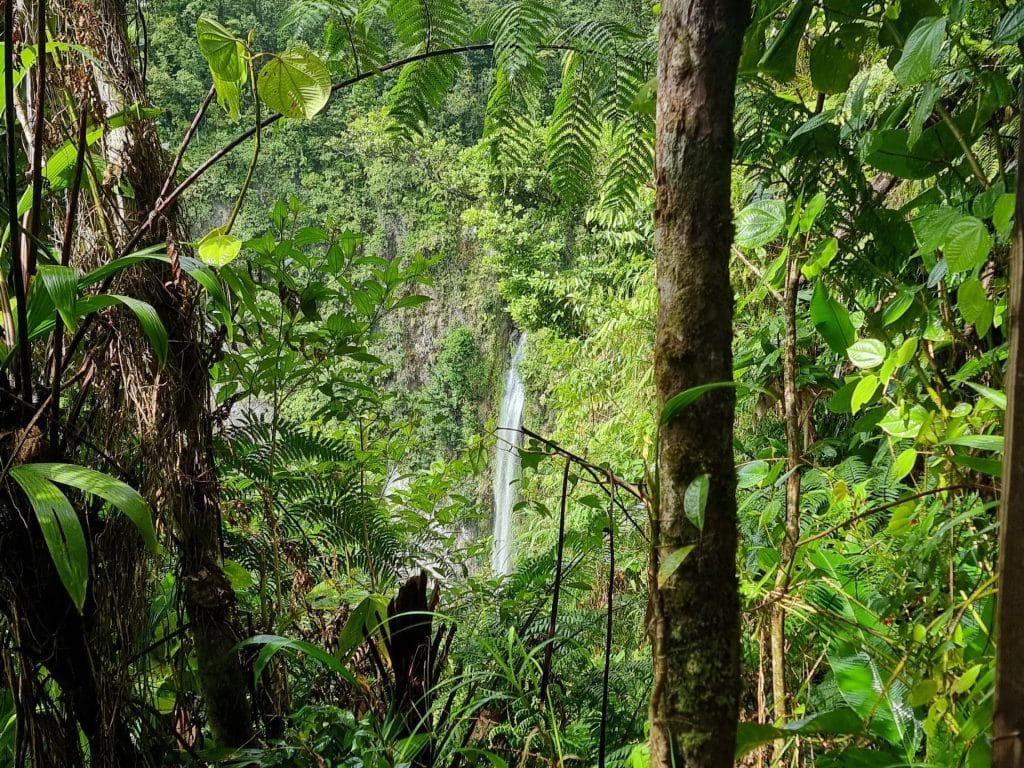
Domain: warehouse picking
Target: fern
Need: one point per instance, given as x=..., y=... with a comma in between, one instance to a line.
x=518, y=30
x=574, y=132
x=318, y=501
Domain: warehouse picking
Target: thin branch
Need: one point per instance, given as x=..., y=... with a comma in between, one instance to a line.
x=18, y=277
x=545, y=678
x=882, y=508
x=65, y=258
x=36, y=213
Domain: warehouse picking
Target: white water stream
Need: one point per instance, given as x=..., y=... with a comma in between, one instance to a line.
x=506, y=463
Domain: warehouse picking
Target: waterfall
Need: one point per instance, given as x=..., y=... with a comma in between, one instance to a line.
x=506, y=463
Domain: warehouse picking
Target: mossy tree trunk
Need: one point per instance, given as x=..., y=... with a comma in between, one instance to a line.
x=694, y=616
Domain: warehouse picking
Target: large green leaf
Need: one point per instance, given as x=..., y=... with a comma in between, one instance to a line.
x=682, y=400
x=967, y=245
x=118, y=494
x=779, y=61
x=147, y=316
x=866, y=353
x=867, y=691
x=759, y=223
x=837, y=722
x=1011, y=26
x=831, y=319
x=921, y=51
x=219, y=248
x=835, y=58
x=62, y=530
x=295, y=83
x=974, y=305
x=222, y=50
x=61, y=285
x=272, y=644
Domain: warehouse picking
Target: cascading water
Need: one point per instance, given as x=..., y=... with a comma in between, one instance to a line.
x=506, y=463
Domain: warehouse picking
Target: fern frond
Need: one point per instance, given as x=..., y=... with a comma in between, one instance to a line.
x=574, y=132
x=420, y=91
x=629, y=169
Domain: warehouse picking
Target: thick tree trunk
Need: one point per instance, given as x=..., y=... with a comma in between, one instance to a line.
x=1008, y=716
x=694, y=615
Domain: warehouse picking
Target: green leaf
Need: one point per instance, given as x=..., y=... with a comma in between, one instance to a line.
x=903, y=422
x=222, y=50
x=1002, y=211
x=295, y=83
x=921, y=51
x=779, y=60
x=863, y=686
x=992, y=443
x=967, y=244
x=837, y=722
x=994, y=396
x=219, y=249
x=863, y=392
x=62, y=530
x=413, y=300
x=974, y=305
x=835, y=58
x=688, y=397
x=823, y=255
x=867, y=353
x=118, y=494
x=1010, y=27
x=831, y=319
x=759, y=223
x=695, y=500
x=229, y=96
x=274, y=643
x=147, y=316
x=61, y=285
x=932, y=227
x=903, y=465
x=670, y=564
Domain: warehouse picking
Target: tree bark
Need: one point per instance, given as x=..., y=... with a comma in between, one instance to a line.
x=694, y=613
x=1008, y=715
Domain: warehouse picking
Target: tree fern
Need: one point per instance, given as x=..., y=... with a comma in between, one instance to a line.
x=518, y=29
x=313, y=482
x=574, y=132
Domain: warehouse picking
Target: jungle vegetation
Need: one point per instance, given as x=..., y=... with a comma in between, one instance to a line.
x=263, y=265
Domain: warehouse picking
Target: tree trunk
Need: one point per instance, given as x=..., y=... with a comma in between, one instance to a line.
x=787, y=551
x=1008, y=716
x=694, y=613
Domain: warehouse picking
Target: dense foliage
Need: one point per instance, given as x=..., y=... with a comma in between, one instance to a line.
x=380, y=196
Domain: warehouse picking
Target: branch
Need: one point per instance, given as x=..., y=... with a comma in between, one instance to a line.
x=18, y=277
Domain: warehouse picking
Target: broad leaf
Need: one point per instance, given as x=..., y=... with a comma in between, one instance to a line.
x=831, y=319
x=670, y=564
x=62, y=530
x=974, y=305
x=221, y=49
x=1011, y=26
x=921, y=51
x=219, y=249
x=695, y=500
x=274, y=643
x=61, y=284
x=759, y=223
x=295, y=83
x=118, y=494
x=867, y=353
x=967, y=245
